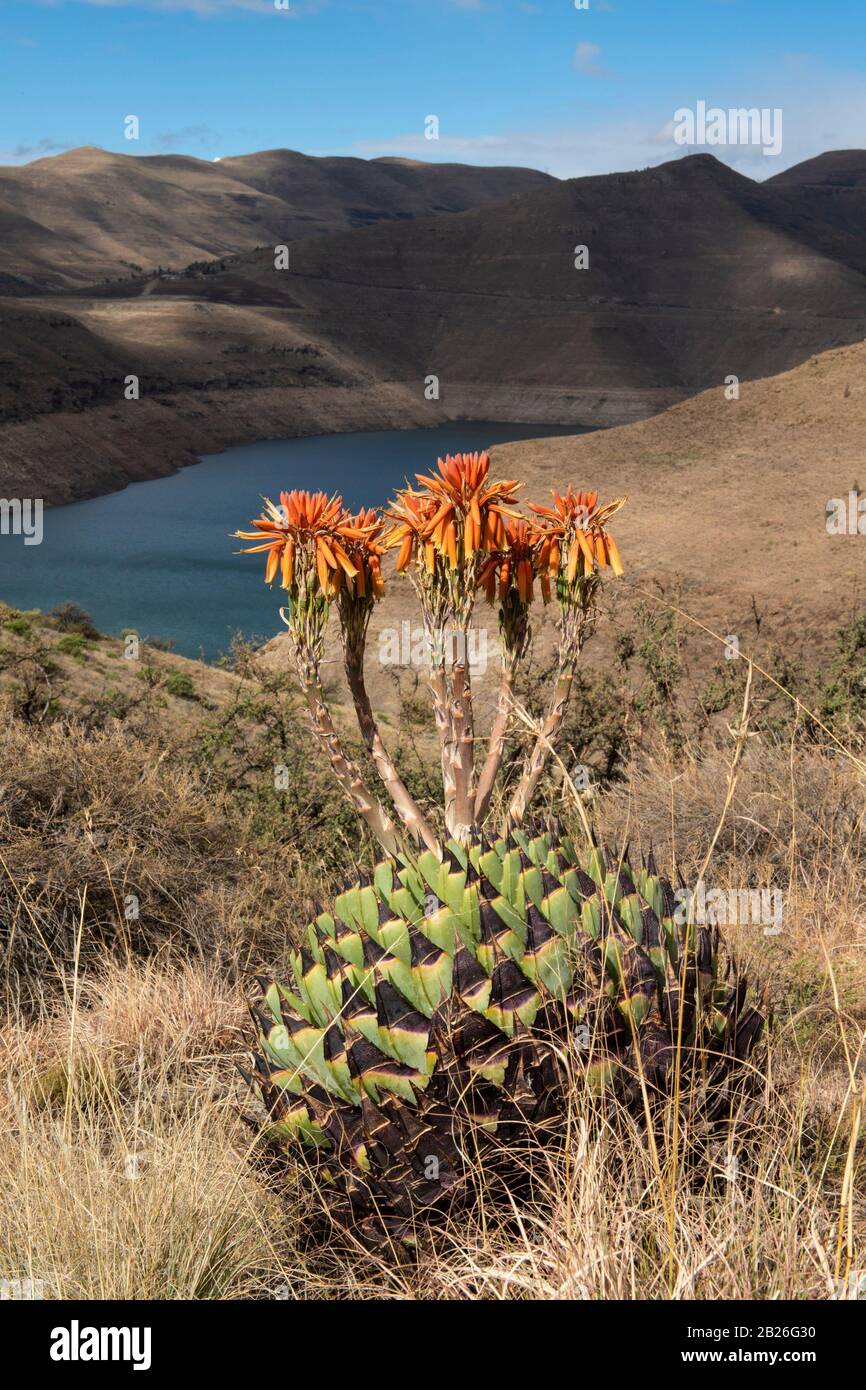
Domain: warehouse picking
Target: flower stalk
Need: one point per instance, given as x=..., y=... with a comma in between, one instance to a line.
x=509, y=573
x=368, y=807
x=443, y=529
x=574, y=548
x=455, y=532
x=356, y=601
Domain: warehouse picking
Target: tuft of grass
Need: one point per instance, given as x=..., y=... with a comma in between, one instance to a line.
x=123, y=1165
x=73, y=644
x=180, y=684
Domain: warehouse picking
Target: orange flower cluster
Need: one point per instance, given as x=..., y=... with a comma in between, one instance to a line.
x=534, y=549
x=365, y=550
x=412, y=512
x=576, y=523
x=524, y=558
x=311, y=535
x=456, y=513
x=312, y=540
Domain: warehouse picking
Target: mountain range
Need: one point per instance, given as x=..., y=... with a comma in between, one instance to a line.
x=412, y=293
x=89, y=215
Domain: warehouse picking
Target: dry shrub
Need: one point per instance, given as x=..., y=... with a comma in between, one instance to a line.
x=108, y=846
x=795, y=807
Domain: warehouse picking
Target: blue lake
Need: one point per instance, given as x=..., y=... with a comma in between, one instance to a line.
x=158, y=557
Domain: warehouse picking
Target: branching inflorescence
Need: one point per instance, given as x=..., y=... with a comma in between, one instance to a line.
x=457, y=533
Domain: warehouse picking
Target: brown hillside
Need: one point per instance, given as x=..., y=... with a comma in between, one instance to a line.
x=726, y=518
x=77, y=218
x=695, y=274
x=729, y=497
x=831, y=186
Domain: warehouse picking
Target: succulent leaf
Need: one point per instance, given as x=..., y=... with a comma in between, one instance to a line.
x=443, y=999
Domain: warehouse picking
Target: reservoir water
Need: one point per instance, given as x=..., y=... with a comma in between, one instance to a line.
x=158, y=558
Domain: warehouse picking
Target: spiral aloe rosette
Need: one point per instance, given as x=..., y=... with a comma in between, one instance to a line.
x=444, y=1008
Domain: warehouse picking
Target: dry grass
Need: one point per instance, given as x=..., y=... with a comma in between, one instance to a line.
x=125, y=1170
x=126, y=1174
x=113, y=848
x=121, y=1156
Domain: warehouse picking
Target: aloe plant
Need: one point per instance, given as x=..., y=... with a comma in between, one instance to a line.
x=448, y=1000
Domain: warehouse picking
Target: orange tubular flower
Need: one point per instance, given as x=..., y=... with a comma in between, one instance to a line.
x=365, y=550
x=469, y=511
x=411, y=512
x=305, y=541
x=576, y=525
x=514, y=568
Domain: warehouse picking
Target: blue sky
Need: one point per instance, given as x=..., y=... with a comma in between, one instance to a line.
x=535, y=82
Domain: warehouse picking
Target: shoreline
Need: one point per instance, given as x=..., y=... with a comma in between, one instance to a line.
x=72, y=456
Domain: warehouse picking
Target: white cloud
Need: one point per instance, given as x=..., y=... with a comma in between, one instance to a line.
x=297, y=8
x=822, y=110
x=585, y=55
